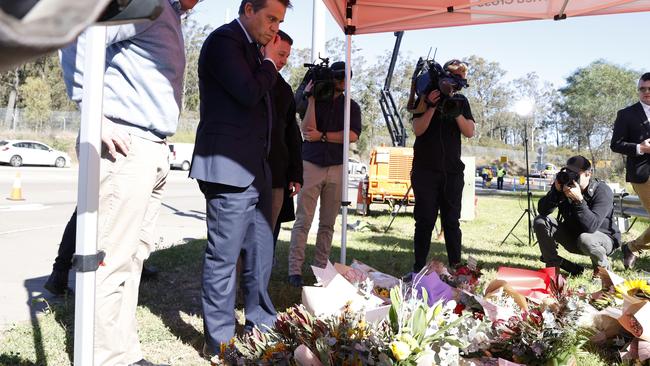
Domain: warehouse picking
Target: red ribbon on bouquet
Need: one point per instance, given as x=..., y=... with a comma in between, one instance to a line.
x=532, y=284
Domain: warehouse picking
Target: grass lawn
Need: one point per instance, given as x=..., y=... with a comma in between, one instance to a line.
x=169, y=317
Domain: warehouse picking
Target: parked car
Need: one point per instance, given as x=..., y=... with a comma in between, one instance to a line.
x=180, y=155
x=356, y=167
x=546, y=170
x=25, y=152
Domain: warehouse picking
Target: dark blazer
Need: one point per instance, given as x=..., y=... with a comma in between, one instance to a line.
x=233, y=132
x=631, y=128
x=286, y=142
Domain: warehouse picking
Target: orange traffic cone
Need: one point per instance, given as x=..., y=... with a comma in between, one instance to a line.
x=16, y=190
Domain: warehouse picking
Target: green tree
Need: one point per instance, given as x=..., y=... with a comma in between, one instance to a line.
x=590, y=101
x=38, y=102
x=489, y=96
x=194, y=35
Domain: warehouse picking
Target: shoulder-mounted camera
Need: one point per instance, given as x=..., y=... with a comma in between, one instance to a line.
x=449, y=79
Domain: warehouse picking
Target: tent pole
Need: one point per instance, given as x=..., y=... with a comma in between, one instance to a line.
x=318, y=30
x=88, y=191
x=346, y=147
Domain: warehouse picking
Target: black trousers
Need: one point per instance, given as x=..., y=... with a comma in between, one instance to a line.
x=436, y=191
x=63, y=261
x=499, y=182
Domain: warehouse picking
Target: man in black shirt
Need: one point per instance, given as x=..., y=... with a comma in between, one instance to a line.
x=322, y=154
x=584, y=223
x=285, y=157
x=437, y=175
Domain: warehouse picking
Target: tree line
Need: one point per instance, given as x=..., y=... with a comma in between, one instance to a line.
x=578, y=116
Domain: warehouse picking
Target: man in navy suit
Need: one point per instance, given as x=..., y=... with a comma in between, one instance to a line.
x=631, y=137
x=236, y=78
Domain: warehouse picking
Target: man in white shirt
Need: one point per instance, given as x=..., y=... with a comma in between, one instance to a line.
x=631, y=137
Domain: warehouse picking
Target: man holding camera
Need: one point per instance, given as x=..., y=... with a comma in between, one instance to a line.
x=437, y=175
x=631, y=137
x=322, y=154
x=584, y=224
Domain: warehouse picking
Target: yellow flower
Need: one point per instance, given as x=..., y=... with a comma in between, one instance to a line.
x=633, y=287
x=408, y=339
x=400, y=350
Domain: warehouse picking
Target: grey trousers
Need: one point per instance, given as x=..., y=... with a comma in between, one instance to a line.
x=598, y=246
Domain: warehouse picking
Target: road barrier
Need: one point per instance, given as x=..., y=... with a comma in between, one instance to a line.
x=627, y=206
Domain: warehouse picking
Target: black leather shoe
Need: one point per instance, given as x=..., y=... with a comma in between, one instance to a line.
x=295, y=280
x=144, y=362
x=573, y=268
x=628, y=257
x=149, y=272
x=57, y=283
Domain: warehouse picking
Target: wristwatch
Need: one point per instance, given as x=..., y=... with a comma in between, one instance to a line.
x=323, y=137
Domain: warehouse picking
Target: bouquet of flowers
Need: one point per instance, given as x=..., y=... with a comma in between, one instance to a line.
x=540, y=331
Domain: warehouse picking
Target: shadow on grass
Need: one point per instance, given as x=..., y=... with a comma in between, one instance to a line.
x=176, y=290
x=13, y=359
x=62, y=307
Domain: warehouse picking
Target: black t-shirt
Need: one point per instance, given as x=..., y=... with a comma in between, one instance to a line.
x=438, y=148
x=330, y=118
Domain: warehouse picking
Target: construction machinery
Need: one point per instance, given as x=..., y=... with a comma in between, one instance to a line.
x=389, y=169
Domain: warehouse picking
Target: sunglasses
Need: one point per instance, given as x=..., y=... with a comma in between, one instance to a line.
x=644, y=89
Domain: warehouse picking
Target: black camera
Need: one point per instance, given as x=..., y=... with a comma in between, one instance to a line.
x=430, y=75
x=567, y=177
x=323, y=78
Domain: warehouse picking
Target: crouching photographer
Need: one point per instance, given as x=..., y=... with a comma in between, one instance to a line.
x=440, y=117
x=584, y=224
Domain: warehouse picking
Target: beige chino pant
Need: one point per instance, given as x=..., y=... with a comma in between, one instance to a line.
x=130, y=194
x=323, y=182
x=642, y=242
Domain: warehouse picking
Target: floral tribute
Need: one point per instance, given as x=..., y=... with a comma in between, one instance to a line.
x=451, y=317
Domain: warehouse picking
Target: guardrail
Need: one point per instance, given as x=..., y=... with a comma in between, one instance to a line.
x=626, y=205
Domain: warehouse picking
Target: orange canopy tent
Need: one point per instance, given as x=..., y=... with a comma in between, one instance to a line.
x=376, y=16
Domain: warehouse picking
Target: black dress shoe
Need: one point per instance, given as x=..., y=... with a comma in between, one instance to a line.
x=628, y=257
x=57, y=283
x=149, y=272
x=144, y=362
x=295, y=280
x=574, y=269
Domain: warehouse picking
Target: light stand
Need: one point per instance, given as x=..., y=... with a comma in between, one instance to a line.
x=523, y=108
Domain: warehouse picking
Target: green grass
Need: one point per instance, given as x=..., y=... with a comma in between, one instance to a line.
x=169, y=313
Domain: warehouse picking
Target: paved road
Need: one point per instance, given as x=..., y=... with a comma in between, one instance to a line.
x=30, y=230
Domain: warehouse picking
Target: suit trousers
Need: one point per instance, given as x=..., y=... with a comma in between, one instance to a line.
x=598, y=246
x=238, y=222
x=130, y=193
x=324, y=182
x=436, y=191
x=642, y=242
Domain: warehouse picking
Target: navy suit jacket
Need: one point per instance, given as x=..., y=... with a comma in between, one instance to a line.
x=233, y=131
x=631, y=128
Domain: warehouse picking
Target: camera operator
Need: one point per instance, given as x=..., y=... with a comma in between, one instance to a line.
x=584, y=223
x=437, y=175
x=322, y=153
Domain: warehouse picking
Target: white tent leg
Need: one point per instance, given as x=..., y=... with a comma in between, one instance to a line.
x=318, y=31
x=346, y=146
x=88, y=194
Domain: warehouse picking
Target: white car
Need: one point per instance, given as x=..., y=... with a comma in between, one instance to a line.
x=25, y=152
x=356, y=167
x=180, y=155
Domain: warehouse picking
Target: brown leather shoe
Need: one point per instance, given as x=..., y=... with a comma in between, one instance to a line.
x=628, y=257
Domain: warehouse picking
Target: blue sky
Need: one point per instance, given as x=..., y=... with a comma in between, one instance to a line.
x=552, y=49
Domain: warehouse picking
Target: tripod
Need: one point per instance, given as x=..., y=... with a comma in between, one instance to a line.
x=528, y=211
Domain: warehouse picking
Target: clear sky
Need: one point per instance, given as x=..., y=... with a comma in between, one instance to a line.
x=552, y=49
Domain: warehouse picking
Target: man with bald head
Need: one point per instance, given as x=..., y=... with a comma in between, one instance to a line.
x=230, y=163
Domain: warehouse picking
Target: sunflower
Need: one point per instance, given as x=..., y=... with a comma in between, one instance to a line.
x=638, y=288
